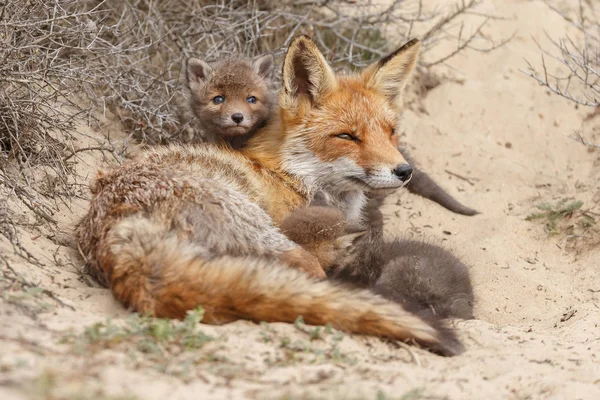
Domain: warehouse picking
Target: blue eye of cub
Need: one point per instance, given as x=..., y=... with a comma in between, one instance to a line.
x=218, y=99
x=251, y=100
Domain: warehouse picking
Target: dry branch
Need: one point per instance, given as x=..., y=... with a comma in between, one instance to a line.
x=580, y=58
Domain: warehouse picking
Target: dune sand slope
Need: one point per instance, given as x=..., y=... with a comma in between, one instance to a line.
x=536, y=335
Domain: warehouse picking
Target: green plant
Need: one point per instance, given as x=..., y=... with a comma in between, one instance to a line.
x=147, y=334
x=562, y=215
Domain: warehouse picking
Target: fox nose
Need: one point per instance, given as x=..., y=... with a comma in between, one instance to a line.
x=237, y=118
x=403, y=172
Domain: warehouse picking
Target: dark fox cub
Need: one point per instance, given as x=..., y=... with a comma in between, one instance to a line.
x=228, y=101
x=413, y=273
x=421, y=276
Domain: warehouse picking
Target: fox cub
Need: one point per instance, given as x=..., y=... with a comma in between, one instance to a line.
x=419, y=275
x=414, y=273
x=228, y=101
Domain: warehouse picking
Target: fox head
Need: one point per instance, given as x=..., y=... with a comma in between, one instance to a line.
x=233, y=97
x=341, y=131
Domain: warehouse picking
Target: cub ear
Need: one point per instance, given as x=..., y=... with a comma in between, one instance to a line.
x=347, y=242
x=197, y=73
x=306, y=74
x=390, y=74
x=263, y=66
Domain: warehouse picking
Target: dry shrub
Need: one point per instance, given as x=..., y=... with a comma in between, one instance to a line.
x=140, y=82
x=39, y=71
x=63, y=61
x=31, y=70
x=579, y=78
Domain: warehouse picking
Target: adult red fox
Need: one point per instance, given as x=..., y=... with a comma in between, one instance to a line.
x=230, y=101
x=188, y=226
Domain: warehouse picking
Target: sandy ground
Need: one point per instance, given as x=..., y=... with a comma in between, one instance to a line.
x=536, y=335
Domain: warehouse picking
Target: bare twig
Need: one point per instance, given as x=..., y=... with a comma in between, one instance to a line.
x=460, y=177
x=580, y=83
x=578, y=137
x=91, y=148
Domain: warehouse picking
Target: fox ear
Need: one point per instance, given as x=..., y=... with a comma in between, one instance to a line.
x=198, y=72
x=263, y=66
x=346, y=242
x=306, y=74
x=390, y=74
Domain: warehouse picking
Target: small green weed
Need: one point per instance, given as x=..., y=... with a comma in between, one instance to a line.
x=148, y=334
x=563, y=216
x=341, y=392
x=301, y=351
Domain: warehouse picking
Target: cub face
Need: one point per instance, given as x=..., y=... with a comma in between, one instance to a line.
x=233, y=98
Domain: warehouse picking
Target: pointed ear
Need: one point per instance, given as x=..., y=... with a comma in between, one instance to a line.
x=198, y=73
x=390, y=74
x=263, y=66
x=346, y=242
x=306, y=74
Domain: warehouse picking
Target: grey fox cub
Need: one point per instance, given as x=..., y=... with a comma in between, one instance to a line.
x=421, y=276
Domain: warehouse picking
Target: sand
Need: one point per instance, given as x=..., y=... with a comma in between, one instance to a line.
x=536, y=333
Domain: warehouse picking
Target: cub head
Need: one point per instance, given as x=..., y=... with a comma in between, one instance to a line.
x=233, y=98
x=322, y=231
x=341, y=132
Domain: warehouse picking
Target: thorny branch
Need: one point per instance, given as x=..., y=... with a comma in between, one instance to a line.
x=579, y=79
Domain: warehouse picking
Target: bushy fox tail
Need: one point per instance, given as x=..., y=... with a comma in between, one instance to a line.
x=152, y=271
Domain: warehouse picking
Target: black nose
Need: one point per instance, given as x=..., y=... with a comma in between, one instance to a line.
x=237, y=118
x=403, y=172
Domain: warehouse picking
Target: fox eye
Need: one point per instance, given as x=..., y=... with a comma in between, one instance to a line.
x=218, y=99
x=251, y=100
x=347, y=136
x=394, y=132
